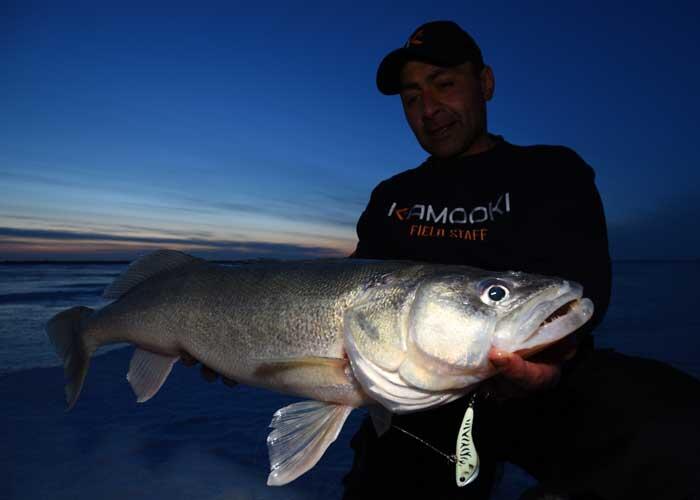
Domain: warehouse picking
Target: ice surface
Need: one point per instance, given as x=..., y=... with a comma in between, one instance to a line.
x=208, y=441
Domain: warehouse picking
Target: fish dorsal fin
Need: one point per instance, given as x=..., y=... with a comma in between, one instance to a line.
x=301, y=434
x=147, y=373
x=146, y=267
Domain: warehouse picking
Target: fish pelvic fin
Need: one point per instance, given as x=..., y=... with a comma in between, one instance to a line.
x=66, y=331
x=144, y=268
x=301, y=434
x=147, y=373
x=381, y=419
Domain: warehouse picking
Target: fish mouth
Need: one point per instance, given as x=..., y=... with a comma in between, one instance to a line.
x=561, y=312
x=553, y=320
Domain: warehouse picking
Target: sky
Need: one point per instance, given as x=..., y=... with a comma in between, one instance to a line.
x=254, y=129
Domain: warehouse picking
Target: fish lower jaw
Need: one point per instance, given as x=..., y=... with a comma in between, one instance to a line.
x=562, y=321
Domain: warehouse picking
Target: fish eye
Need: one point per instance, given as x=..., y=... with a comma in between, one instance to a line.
x=497, y=292
x=494, y=292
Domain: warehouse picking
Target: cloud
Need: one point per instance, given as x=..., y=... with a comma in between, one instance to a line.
x=309, y=202
x=308, y=210
x=50, y=244
x=82, y=236
x=53, y=182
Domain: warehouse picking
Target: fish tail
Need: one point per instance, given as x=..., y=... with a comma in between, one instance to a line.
x=66, y=331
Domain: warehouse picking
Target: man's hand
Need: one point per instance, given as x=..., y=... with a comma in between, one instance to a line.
x=519, y=377
x=207, y=373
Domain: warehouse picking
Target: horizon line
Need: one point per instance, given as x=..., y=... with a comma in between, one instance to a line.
x=254, y=259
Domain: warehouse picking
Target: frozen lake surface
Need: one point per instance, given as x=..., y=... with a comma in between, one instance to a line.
x=207, y=441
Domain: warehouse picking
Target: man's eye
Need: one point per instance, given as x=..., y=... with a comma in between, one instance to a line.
x=445, y=84
x=410, y=99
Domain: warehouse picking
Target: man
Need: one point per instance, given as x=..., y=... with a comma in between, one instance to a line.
x=585, y=423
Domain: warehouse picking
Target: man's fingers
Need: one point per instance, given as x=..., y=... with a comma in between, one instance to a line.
x=501, y=389
x=537, y=376
x=526, y=374
x=511, y=366
x=187, y=360
x=229, y=382
x=208, y=374
x=560, y=351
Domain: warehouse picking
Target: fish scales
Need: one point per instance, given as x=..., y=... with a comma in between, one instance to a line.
x=229, y=317
x=400, y=336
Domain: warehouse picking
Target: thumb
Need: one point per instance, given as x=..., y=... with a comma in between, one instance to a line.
x=499, y=358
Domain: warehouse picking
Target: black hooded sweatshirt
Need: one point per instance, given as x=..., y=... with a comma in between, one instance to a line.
x=533, y=209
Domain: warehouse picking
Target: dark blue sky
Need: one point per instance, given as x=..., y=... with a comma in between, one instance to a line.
x=238, y=129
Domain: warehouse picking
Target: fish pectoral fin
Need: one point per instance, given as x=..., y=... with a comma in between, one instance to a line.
x=301, y=434
x=381, y=419
x=147, y=373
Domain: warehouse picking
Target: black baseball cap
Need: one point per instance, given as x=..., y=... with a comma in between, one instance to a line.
x=442, y=43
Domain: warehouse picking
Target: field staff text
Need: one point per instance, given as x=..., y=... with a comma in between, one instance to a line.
x=429, y=231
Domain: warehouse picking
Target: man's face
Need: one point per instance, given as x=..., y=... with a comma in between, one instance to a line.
x=446, y=107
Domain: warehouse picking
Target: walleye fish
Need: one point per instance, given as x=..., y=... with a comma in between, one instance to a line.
x=342, y=333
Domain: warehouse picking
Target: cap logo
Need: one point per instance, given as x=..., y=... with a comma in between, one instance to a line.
x=416, y=39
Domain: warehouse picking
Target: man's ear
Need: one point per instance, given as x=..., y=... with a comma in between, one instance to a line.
x=488, y=83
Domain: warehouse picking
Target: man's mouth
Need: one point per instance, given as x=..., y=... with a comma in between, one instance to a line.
x=440, y=131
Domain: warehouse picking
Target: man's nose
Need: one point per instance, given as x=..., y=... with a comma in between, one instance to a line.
x=430, y=104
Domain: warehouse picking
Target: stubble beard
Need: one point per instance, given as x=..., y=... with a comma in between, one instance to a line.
x=463, y=139
x=459, y=142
